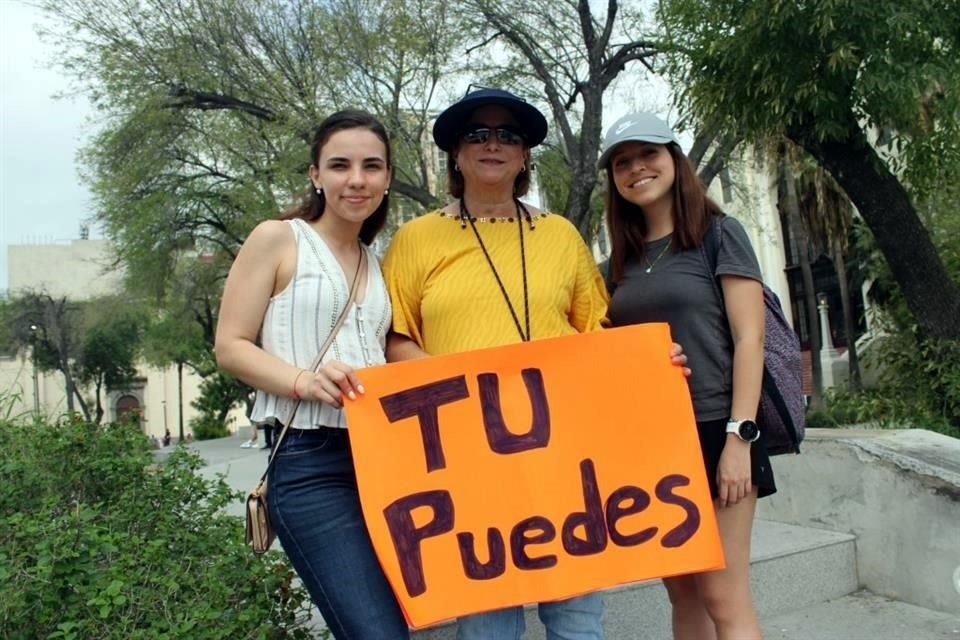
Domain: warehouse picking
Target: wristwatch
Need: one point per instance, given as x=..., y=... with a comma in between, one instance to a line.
x=746, y=430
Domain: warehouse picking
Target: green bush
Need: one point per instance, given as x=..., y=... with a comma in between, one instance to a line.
x=870, y=406
x=96, y=541
x=885, y=407
x=208, y=427
x=219, y=393
x=920, y=381
x=820, y=420
x=924, y=375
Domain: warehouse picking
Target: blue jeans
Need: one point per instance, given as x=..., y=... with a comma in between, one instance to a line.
x=315, y=510
x=578, y=618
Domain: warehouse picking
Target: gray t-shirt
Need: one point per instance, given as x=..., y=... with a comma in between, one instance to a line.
x=678, y=290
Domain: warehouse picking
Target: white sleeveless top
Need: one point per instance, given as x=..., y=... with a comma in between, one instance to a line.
x=299, y=319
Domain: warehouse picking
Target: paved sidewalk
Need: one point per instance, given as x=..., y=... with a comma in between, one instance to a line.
x=862, y=616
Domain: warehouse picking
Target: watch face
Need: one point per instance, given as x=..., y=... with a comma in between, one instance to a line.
x=749, y=430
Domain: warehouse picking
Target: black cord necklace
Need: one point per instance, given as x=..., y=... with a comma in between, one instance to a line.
x=465, y=218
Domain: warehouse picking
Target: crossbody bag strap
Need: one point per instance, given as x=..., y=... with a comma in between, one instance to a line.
x=354, y=287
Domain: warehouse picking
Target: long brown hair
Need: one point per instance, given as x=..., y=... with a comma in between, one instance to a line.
x=692, y=211
x=312, y=204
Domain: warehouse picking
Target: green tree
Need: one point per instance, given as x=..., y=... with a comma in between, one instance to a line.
x=172, y=337
x=207, y=107
x=95, y=342
x=219, y=393
x=921, y=373
x=180, y=332
x=832, y=76
x=109, y=347
x=8, y=341
x=50, y=328
x=555, y=177
x=828, y=216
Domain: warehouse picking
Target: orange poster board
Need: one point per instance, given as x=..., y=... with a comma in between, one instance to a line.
x=532, y=472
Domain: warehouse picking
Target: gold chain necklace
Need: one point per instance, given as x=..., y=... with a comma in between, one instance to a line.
x=650, y=265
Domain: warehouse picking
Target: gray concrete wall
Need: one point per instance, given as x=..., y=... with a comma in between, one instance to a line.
x=897, y=491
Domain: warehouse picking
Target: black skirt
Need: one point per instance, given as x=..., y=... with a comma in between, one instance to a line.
x=713, y=437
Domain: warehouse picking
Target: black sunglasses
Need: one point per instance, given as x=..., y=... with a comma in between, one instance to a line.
x=480, y=135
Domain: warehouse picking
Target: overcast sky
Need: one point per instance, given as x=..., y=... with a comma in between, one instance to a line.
x=41, y=196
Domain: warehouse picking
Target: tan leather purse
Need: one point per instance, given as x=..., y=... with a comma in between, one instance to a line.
x=259, y=533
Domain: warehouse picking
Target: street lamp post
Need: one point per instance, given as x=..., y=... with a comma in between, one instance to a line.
x=180, y=397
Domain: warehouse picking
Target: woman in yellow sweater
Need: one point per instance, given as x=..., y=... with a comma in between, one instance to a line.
x=488, y=270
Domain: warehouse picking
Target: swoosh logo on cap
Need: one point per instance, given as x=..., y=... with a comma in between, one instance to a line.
x=622, y=127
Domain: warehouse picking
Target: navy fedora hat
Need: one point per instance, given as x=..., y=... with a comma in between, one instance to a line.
x=450, y=123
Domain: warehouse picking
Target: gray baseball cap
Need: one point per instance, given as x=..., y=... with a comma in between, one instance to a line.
x=635, y=127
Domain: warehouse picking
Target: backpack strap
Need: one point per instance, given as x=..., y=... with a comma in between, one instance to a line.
x=606, y=271
x=711, y=251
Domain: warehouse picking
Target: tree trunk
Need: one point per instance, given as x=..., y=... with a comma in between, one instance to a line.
x=73, y=392
x=416, y=193
x=578, y=202
x=98, y=415
x=584, y=177
x=83, y=403
x=718, y=159
x=932, y=297
x=853, y=361
x=798, y=233
x=68, y=385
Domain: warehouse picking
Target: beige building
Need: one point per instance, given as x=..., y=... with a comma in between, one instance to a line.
x=80, y=270
x=748, y=192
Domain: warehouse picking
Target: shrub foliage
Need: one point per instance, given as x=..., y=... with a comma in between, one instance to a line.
x=97, y=541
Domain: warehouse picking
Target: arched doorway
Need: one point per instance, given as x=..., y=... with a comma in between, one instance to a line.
x=128, y=408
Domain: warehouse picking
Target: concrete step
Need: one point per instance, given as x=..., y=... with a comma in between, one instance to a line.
x=862, y=616
x=793, y=568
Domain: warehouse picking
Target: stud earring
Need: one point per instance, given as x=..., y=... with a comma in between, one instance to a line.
x=319, y=191
x=386, y=192
x=456, y=167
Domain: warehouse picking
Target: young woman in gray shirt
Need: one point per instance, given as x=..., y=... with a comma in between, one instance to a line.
x=659, y=215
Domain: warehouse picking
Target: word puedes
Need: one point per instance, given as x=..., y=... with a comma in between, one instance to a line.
x=599, y=521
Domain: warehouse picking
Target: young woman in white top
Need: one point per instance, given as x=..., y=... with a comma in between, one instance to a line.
x=288, y=284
